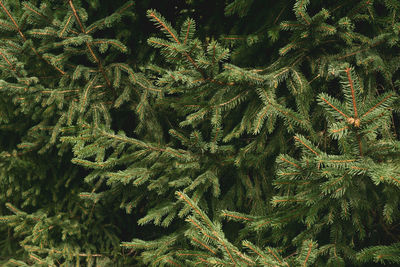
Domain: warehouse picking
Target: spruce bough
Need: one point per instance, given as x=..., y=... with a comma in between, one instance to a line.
x=192, y=158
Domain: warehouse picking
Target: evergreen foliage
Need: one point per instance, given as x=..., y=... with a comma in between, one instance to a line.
x=271, y=142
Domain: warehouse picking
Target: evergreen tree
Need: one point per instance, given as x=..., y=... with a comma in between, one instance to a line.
x=222, y=153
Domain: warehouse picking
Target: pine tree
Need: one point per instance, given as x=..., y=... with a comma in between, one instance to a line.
x=221, y=152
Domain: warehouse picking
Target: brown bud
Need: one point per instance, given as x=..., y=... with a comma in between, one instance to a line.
x=357, y=123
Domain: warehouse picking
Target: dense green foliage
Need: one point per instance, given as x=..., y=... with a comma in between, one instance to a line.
x=246, y=133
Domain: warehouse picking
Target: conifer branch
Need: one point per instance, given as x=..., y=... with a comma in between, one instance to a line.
x=287, y=200
x=174, y=263
x=244, y=74
x=122, y=10
x=366, y=2
x=226, y=249
x=335, y=108
x=352, y=92
x=100, y=65
x=274, y=255
x=13, y=21
x=34, y=11
x=130, y=72
x=304, y=144
x=284, y=50
x=279, y=15
x=288, y=173
x=237, y=217
x=291, y=163
x=262, y=224
x=187, y=32
x=125, y=8
x=308, y=254
x=121, y=47
x=37, y=259
x=66, y=25
x=194, y=208
x=76, y=16
x=340, y=130
x=192, y=254
x=162, y=44
x=162, y=24
x=342, y=161
x=243, y=258
x=86, y=91
x=24, y=38
x=204, y=245
x=261, y=119
x=337, y=180
x=48, y=33
x=360, y=50
x=394, y=179
x=377, y=105
x=201, y=229
x=301, y=13
x=288, y=25
x=247, y=244
x=205, y=261
x=8, y=62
